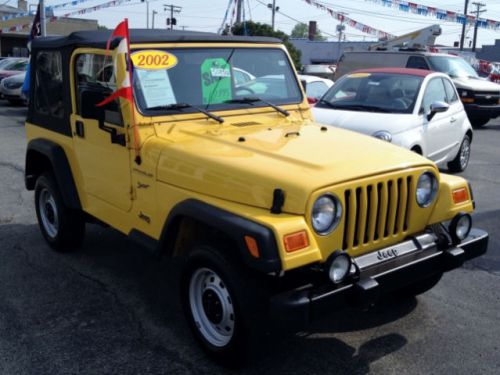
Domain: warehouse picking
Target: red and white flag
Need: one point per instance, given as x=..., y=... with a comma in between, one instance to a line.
x=123, y=49
x=125, y=88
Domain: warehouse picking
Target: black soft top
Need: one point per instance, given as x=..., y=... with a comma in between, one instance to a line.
x=99, y=38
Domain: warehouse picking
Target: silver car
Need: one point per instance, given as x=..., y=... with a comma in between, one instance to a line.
x=10, y=88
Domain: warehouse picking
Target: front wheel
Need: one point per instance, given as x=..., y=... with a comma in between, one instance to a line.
x=62, y=228
x=462, y=159
x=222, y=304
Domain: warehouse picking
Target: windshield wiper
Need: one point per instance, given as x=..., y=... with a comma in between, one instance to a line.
x=328, y=104
x=256, y=99
x=361, y=107
x=187, y=105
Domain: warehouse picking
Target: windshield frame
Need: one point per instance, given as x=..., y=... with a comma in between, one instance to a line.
x=219, y=106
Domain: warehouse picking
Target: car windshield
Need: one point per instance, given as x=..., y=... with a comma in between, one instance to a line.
x=455, y=67
x=213, y=79
x=373, y=92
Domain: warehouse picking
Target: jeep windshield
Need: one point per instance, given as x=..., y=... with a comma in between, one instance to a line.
x=373, y=92
x=455, y=67
x=213, y=79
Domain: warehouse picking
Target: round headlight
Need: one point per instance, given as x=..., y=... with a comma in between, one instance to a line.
x=460, y=227
x=383, y=135
x=339, y=265
x=326, y=213
x=427, y=187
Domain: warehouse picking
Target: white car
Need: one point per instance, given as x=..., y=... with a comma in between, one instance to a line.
x=412, y=108
x=315, y=86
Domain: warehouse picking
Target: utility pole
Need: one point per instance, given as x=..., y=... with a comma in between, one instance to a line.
x=274, y=9
x=239, y=7
x=173, y=9
x=147, y=12
x=478, y=11
x=463, y=26
x=153, y=23
x=341, y=27
x=43, y=21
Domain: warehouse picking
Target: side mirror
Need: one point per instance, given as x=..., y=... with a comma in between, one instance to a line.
x=437, y=107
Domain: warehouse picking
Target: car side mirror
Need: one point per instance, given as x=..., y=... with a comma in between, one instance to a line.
x=437, y=107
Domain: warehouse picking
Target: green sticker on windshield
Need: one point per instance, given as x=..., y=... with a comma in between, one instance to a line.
x=215, y=81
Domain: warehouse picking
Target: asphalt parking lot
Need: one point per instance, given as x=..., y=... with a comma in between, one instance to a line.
x=112, y=309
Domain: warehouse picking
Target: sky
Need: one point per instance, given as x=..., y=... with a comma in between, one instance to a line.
x=207, y=15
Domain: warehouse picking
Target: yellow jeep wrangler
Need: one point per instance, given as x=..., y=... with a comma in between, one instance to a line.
x=217, y=160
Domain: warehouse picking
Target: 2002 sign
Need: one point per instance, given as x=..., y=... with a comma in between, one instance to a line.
x=153, y=59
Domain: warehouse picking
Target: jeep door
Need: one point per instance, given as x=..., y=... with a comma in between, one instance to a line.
x=98, y=133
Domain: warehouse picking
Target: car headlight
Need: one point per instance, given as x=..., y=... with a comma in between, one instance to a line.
x=326, y=214
x=383, y=135
x=427, y=187
x=465, y=93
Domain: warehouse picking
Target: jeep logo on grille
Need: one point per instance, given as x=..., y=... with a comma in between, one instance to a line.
x=387, y=254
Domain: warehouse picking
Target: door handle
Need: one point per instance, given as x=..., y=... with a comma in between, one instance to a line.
x=453, y=119
x=79, y=129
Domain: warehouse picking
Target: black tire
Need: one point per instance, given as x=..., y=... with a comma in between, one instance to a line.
x=62, y=228
x=224, y=304
x=479, y=122
x=420, y=287
x=461, y=161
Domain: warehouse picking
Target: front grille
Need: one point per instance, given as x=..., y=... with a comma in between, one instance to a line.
x=487, y=98
x=376, y=211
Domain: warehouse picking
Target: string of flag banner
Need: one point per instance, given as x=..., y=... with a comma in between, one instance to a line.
x=441, y=14
x=95, y=8
x=48, y=9
x=350, y=22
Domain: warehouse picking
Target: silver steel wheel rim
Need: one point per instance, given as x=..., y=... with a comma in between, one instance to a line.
x=211, y=307
x=465, y=154
x=48, y=213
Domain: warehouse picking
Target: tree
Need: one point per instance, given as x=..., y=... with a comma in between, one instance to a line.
x=301, y=30
x=261, y=29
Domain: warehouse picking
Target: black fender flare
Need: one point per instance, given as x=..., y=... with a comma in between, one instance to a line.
x=232, y=225
x=60, y=168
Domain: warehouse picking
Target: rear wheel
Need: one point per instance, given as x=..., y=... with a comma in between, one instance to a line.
x=462, y=159
x=223, y=304
x=62, y=228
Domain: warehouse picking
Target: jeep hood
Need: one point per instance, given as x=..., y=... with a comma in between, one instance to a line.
x=246, y=164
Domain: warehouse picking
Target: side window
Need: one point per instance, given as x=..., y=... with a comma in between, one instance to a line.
x=48, y=84
x=434, y=92
x=451, y=93
x=316, y=89
x=95, y=81
x=417, y=62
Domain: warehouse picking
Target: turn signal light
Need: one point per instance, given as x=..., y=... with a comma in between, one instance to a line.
x=296, y=241
x=467, y=100
x=252, y=247
x=460, y=195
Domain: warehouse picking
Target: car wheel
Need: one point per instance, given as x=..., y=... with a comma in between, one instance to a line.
x=462, y=159
x=420, y=287
x=62, y=228
x=479, y=121
x=222, y=303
